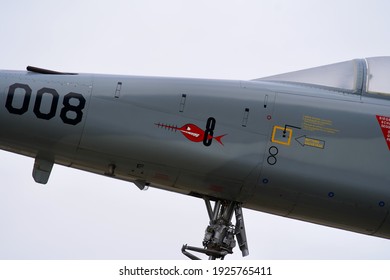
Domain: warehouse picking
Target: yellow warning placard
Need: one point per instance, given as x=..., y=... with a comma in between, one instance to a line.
x=310, y=142
x=315, y=143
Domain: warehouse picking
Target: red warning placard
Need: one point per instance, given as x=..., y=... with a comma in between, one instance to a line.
x=384, y=123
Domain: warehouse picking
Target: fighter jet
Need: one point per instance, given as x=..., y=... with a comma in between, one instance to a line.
x=312, y=145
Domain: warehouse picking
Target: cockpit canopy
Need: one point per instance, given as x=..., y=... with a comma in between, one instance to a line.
x=369, y=75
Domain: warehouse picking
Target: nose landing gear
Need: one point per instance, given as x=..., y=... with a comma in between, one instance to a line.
x=219, y=239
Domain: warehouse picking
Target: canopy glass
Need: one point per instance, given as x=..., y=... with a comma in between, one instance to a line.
x=371, y=75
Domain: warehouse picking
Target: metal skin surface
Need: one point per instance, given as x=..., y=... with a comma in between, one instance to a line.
x=308, y=153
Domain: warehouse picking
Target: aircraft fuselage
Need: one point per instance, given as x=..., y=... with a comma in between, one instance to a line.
x=308, y=153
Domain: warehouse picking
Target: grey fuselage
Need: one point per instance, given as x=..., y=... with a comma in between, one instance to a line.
x=308, y=153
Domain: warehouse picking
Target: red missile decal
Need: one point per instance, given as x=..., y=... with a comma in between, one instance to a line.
x=193, y=133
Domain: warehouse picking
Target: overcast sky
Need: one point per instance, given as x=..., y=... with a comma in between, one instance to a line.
x=79, y=215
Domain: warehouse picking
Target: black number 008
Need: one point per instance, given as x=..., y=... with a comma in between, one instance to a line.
x=73, y=118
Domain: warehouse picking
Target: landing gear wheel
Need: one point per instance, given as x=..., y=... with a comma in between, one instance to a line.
x=219, y=239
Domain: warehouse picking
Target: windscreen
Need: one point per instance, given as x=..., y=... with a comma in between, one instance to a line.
x=371, y=75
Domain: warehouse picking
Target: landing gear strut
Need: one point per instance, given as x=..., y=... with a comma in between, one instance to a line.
x=219, y=238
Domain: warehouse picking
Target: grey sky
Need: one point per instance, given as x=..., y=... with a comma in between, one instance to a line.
x=79, y=215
